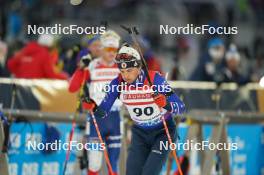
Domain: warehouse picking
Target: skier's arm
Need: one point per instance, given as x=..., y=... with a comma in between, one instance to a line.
x=81, y=73
x=173, y=102
x=77, y=79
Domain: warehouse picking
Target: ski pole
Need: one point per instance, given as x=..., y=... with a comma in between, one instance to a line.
x=87, y=98
x=101, y=141
x=78, y=108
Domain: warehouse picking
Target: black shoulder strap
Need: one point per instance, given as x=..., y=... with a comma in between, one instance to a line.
x=120, y=81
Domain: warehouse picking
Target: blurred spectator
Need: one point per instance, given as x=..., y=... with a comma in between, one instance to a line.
x=15, y=22
x=69, y=57
x=258, y=68
x=152, y=61
x=3, y=18
x=211, y=63
x=258, y=64
x=231, y=71
x=185, y=60
x=3, y=53
x=258, y=9
x=35, y=60
x=69, y=49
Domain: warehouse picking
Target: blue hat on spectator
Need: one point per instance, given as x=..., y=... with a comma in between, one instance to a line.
x=215, y=42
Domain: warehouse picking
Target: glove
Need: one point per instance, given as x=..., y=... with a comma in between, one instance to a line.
x=85, y=60
x=89, y=105
x=160, y=100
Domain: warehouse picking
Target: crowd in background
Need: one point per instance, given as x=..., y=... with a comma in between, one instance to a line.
x=229, y=58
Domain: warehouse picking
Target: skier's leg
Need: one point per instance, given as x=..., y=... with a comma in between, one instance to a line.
x=158, y=155
x=137, y=153
x=95, y=157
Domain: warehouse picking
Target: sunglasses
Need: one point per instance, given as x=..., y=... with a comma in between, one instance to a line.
x=123, y=57
x=110, y=49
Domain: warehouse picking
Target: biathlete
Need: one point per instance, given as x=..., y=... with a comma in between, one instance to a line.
x=100, y=73
x=146, y=106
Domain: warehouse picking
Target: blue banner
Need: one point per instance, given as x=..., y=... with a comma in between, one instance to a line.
x=248, y=159
x=24, y=160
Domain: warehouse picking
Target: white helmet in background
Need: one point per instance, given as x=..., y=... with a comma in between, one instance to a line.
x=47, y=40
x=110, y=39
